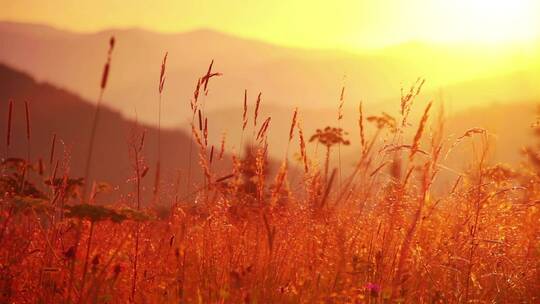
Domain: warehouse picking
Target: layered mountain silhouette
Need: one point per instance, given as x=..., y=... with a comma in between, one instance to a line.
x=287, y=77
x=478, y=88
x=57, y=111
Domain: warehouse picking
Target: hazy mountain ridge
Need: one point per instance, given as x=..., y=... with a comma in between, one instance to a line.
x=287, y=77
x=509, y=126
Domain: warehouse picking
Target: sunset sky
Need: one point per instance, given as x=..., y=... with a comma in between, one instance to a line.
x=301, y=23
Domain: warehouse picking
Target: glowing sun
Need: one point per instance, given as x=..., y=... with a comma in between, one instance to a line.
x=491, y=20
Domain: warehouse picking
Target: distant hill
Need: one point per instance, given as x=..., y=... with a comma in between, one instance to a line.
x=287, y=77
x=508, y=121
x=510, y=127
x=57, y=111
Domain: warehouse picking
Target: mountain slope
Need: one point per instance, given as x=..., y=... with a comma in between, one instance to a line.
x=56, y=111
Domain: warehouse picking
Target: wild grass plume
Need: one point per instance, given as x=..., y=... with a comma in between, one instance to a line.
x=245, y=228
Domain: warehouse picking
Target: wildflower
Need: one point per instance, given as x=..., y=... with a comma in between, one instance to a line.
x=373, y=289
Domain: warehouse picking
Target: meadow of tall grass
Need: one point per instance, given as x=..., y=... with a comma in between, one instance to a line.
x=378, y=233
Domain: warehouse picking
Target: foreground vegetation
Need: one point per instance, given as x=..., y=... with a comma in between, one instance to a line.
x=378, y=233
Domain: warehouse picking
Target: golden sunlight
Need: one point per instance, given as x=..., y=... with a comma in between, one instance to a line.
x=300, y=151
x=490, y=21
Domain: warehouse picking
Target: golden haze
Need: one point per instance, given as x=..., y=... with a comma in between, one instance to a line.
x=304, y=23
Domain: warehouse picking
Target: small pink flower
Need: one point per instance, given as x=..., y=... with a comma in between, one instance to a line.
x=373, y=288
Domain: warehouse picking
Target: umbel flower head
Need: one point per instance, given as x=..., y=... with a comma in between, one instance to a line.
x=330, y=136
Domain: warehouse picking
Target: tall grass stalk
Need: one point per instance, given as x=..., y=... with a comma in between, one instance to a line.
x=88, y=164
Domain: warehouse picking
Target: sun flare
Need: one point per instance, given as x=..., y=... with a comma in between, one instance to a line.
x=491, y=21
